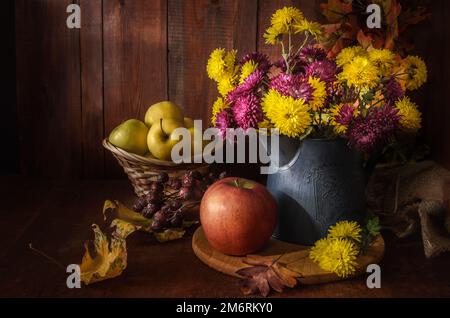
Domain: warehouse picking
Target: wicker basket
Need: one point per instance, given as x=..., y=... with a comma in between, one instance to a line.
x=142, y=170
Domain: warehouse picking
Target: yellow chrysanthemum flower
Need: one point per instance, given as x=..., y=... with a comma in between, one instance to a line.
x=314, y=28
x=284, y=18
x=230, y=62
x=319, y=93
x=218, y=106
x=382, y=58
x=348, y=54
x=345, y=230
x=316, y=252
x=339, y=256
x=216, y=64
x=360, y=73
x=225, y=85
x=410, y=116
x=416, y=72
x=248, y=68
x=272, y=35
x=289, y=115
x=221, y=65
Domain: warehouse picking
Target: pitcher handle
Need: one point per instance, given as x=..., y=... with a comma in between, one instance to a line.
x=291, y=162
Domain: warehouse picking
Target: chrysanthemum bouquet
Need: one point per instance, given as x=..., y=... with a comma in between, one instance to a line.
x=358, y=95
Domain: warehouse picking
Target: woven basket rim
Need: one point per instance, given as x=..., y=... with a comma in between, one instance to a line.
x=141, y=159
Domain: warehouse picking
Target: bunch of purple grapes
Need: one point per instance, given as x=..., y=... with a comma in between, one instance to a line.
x=167, y=198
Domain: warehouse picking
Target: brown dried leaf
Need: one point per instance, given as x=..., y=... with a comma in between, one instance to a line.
x=288, y=277
x=265, y=274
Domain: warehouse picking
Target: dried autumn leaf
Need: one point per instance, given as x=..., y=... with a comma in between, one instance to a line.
x=125, y=214
x=265, y=274
x=364, y=40
x=110, y=255
x=123, y=228
x=169, y=235
x=335, y=10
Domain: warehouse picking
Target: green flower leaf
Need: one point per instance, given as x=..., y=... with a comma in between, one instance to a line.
x=373, y=226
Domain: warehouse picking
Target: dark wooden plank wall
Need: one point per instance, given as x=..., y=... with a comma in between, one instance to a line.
x=74, y=86
x=48, y=90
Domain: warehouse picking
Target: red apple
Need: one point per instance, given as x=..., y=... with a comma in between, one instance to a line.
x=238, y=215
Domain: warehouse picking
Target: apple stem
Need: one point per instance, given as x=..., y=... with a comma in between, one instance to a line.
x=160, y=125
x=236, y=181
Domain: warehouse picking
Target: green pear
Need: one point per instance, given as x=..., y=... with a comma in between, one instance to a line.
x=160, y=140
x=163, y=110
x=130, y=136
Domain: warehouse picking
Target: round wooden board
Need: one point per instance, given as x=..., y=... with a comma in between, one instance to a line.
x=296, y=256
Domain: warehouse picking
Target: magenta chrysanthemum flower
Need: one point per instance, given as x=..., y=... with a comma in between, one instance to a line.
x=370, y=132
x=325, y=70
x=310, y=54
x=250, y=84
x=393, y=91
x=295, y=86
x=247, y=111
x=335, y=94
x=260, y=58
x=224, y=120
x=345, y=115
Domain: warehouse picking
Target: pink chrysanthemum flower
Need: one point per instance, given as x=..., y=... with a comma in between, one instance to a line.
x=325, y=70
x=370, y=132
x=247, y=111
x=345, y=115
x=261, y=59
x=251, y=83
x=335, y=94
x=295, y=86
x=224, y=120
x=393, y=91
x=310, y=54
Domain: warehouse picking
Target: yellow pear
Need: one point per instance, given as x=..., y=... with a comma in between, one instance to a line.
x=188, y=122
x=160, y=140
x=130, y=136
x=163, y=110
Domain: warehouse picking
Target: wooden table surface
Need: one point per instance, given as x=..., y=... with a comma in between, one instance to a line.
x=56, y=217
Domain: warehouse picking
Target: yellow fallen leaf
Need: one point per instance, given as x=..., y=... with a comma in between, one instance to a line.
x=123, y=228
x=125, y=214
x=110, y=256
x=169, y=235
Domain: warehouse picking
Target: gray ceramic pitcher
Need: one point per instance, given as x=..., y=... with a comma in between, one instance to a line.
x=320, y=182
